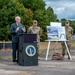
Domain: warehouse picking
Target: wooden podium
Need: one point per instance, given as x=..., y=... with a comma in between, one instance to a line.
x=28, y=50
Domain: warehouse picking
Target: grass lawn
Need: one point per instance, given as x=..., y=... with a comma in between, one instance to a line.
x=43, y=47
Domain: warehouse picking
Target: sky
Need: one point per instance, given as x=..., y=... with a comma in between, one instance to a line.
x=62, y=8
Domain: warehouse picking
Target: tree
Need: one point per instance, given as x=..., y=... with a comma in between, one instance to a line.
x=63, y=21
x=28, y=10
x=29, y=18
x=33, y=4
x=10, y=9
x=42, y=18
x=51, y=16
x=72, y=24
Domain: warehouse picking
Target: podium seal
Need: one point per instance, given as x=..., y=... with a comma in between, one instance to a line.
x=30, y=50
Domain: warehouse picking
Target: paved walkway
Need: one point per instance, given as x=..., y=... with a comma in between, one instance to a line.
x=50, y=67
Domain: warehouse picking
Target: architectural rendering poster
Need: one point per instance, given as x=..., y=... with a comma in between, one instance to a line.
x=56, y=33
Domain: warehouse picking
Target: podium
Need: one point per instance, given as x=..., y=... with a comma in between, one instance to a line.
x=28, y=55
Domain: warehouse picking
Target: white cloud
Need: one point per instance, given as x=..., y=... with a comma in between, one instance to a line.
x=63, y=8
x=59, y=10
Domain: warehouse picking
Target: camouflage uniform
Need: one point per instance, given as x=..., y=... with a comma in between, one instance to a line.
x=69, y=32
x=36, y=30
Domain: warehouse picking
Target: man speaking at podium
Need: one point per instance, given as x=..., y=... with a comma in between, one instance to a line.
x=16, y=29
x=35, y=29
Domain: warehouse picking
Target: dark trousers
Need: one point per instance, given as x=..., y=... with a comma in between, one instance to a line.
x=15, y=52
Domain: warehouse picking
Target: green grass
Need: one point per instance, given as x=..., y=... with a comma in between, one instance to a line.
x=1, y=58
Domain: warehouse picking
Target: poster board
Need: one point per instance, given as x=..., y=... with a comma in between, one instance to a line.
x=55, y=24
x=56, y=33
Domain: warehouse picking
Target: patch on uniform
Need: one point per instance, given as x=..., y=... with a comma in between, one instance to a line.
x=30, y=50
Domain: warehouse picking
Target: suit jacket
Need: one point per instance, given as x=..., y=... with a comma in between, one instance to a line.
x=15, y=35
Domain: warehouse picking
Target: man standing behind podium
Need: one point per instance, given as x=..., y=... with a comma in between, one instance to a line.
x=36, y=30
x=16, y=29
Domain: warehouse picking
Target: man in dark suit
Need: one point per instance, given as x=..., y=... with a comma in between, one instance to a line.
x=16, y=29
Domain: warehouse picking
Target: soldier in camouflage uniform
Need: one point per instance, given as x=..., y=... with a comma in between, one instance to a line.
x=36, y=30
x=69, y=33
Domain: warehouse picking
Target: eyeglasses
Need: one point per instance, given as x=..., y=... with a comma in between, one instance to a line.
x=35, y=22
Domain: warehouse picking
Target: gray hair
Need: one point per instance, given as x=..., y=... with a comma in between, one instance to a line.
x=17, y=17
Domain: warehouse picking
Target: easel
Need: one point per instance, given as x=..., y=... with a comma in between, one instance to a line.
x=48, y=48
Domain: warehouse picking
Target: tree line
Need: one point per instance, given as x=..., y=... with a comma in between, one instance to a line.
x=28, y=10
